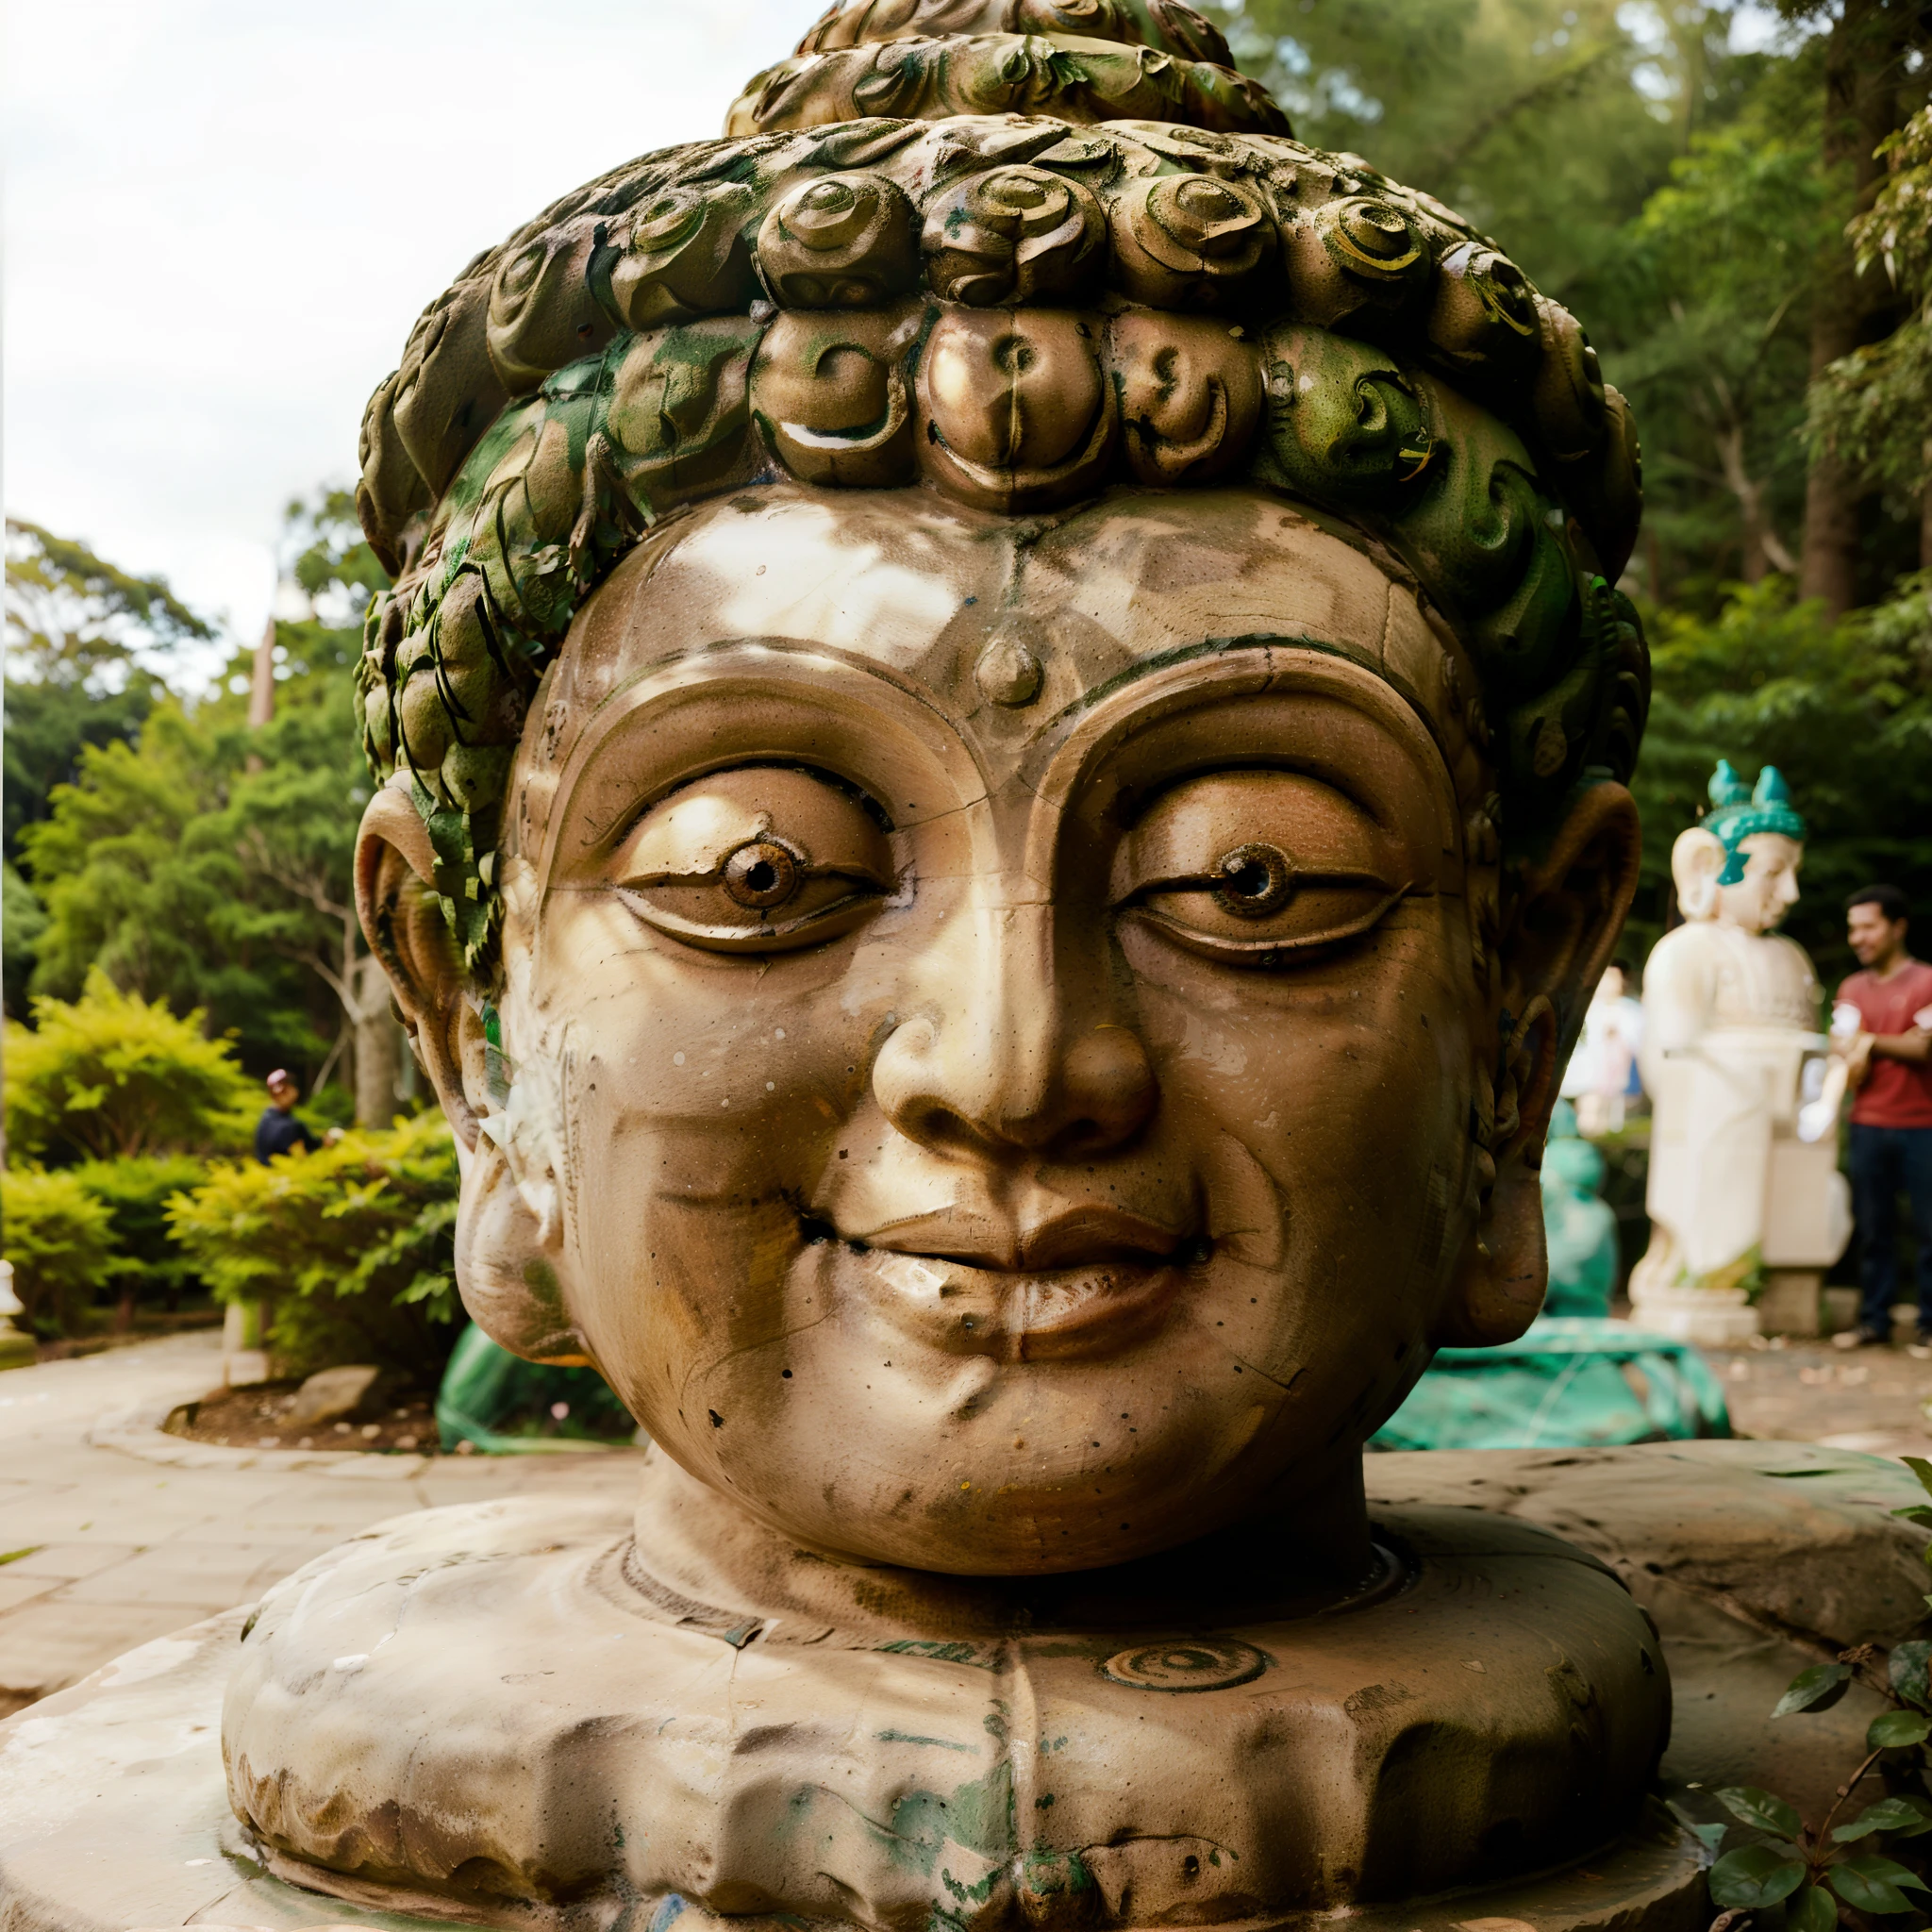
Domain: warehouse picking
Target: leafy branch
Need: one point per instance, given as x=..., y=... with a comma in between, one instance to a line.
x=1813, y=1872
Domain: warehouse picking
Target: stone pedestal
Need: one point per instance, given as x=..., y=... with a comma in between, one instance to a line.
x=1792, y=1302
x=246, y=1361
x=1704, y=1317
x=114, y=1812
x=17, y=1350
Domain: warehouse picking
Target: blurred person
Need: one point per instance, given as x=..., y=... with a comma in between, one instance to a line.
x=1601, y=1073
x=1888, y=1059
x=278, y=1131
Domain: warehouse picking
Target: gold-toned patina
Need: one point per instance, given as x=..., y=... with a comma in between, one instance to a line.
x=1003, y=739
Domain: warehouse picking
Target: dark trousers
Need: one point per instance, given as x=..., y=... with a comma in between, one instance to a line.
x=1887, y=1161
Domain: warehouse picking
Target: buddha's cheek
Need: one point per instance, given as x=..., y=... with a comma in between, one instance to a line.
x=1323, y=1111
x=701, y=1100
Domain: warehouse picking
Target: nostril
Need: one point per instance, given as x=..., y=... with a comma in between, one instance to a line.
x=941, y=1127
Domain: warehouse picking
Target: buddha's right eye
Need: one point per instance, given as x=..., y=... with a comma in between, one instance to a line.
x=762, y=859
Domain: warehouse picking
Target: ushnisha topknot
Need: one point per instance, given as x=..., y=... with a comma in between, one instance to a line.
x=1021, y=254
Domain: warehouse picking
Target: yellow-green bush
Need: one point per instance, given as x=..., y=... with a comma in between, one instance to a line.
x=136, y=1191
x=351, y=1247
x=61, y=1240
x=110, y=1074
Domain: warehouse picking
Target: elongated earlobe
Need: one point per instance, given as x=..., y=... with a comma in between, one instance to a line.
x=1567, y=912
x=509, y=1247
x=404, y=925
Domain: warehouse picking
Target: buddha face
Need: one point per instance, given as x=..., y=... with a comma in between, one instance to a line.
x=1768, y=888
x=999, y=1029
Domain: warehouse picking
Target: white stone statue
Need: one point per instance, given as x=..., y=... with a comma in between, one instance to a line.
x=1746, y=1196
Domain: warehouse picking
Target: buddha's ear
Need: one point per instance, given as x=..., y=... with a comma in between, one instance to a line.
x=402, y=919
x=508, y=1242
x=1696, y=860
x=1568, y=909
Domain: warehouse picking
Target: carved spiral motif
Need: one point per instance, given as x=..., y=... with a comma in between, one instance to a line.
x=876, y=302
x=1016, y=411
x=1190, y=393
x=1484, y=320
x=684, y=255
x=1569, y=390
x=1358, y=259
x=1188, y=240
x=841, y=241
x=1014, y=235
x=828, y=392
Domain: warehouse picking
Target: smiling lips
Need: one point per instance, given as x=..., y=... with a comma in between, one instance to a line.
x=1089, y=1280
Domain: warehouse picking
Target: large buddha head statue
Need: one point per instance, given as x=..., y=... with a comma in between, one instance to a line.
x=1005, y=719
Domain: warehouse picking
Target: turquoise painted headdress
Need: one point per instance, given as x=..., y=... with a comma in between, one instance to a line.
x=1737, y=811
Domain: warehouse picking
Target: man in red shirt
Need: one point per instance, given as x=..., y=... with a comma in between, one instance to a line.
x=1891, y=1065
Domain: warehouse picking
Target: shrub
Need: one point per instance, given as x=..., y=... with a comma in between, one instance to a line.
x=110, y=1074
x=136, y=1192
x=352, y=1248
x=61, y=1243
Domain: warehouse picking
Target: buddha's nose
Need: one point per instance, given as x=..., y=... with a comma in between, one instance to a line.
x=1015, y=1057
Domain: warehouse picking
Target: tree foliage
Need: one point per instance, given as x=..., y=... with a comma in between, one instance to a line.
x=207, y=862
x=85, y=643
x=1875, y=407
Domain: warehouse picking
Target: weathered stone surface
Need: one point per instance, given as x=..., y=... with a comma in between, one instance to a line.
x=1757, y=1559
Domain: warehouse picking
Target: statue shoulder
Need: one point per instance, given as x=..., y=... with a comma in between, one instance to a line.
x=1685, y=954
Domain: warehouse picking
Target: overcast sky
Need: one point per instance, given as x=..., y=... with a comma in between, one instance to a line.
x=221, y=217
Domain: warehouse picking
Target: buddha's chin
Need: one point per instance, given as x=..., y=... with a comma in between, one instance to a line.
x=1004, y=1468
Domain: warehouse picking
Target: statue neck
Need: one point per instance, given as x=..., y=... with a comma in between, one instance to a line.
x=1284, y=1561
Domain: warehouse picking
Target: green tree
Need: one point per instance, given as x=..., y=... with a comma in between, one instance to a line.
x=1872, y=409
x=1545, y=122
x=1843, y=709
x=84, y=643
x=1710, y=335
x=351, y=1249
x=209, y=862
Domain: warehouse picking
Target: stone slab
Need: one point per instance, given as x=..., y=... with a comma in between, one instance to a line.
x=1757, y=1559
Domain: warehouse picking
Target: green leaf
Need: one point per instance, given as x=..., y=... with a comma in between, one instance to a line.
x=1811, y=1909
x=1755, y=1876
x=1906, y=1815
x=1872, y=1884
x=1893, y=1728
x=1915, y=1512
x=1909, y=1668
x=1817, y=1689
x=1921, y=1469
x=1760, y=1808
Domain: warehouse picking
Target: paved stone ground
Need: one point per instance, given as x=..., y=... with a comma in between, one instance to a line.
x=1808, y=1391
x=101, y=1550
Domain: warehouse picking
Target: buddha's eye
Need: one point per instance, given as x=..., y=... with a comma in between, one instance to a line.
x=763, y=859
x=1257, y=867
x=1256, y=880
x=764, y=874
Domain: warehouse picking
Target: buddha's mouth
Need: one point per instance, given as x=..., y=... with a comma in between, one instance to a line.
x=1090, y=1281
